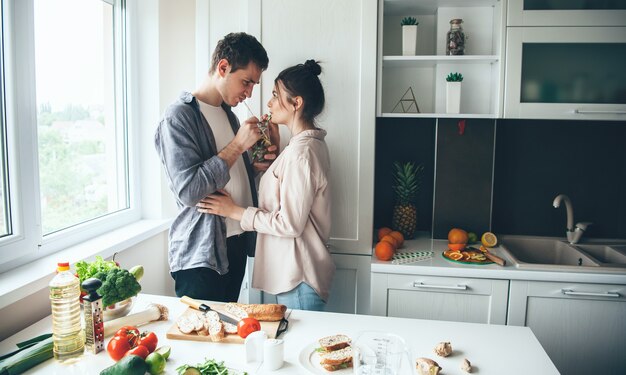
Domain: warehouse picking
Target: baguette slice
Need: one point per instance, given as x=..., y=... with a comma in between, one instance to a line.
x=335, y=342
x=214, y=325
x=185, y=325
x=337, y=357
x=269, y=312
x=342, y=366
x=229, y=328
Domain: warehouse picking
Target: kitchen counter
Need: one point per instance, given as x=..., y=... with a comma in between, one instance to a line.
x=492, y=349
x=439, y=266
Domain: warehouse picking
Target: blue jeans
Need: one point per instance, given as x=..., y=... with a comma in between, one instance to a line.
x=302, y=297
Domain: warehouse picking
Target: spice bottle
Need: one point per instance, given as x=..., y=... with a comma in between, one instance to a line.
x=92, y=312
x=455, y=39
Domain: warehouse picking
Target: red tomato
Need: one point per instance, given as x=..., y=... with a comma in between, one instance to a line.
x=117, y=348
x=149, y=340
x=138, y=350
x=130, y=333
x=246, y=326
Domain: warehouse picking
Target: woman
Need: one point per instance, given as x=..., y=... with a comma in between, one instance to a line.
x=293, y=217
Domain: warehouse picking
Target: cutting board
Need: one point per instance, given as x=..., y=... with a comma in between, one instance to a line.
x=174, y=333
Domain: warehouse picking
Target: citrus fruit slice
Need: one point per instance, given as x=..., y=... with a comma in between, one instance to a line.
x=466, y=255
x=489, y=239
x=455, y=255
x=456, y=246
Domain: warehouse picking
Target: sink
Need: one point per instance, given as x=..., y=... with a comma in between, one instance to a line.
x=531, y=251
x=612, y=254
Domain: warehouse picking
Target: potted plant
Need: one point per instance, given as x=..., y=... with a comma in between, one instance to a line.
x=453, y=92
x=409, y=35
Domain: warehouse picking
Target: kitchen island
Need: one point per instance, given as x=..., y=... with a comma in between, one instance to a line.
x=492, y=349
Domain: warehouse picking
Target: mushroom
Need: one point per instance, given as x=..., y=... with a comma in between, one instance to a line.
x=443, y=349
x=466, y=365
x=426, y=366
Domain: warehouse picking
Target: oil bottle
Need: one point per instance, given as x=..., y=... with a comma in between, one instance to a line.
x=67, y=333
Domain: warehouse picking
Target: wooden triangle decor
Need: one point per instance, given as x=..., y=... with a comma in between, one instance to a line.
x=407, y=102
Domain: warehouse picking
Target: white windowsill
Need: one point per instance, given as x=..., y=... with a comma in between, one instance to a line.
x=29, y=278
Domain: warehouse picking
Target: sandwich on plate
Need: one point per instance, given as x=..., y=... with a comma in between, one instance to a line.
x=335, y=352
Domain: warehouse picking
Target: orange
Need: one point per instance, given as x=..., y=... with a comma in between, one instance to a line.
x=455, y=255
x=456, y=246
x=457, y=235
x=398, y=236
x=392, y=240
x=489, y=239
x=384, y=250
x=382, y=232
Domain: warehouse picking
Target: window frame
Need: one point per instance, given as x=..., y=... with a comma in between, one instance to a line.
x=27, y=243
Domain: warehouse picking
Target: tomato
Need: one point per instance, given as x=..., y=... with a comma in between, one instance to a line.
x=138, y=350
x=246, y=326
x=149, y=340
x=117, y=348
x=130, y=333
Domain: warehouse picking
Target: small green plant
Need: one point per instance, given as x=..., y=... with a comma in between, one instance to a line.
x=454, y=77
x=409, y=21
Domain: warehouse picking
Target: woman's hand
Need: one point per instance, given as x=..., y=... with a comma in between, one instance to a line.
x=269, y=157
x=221, y=204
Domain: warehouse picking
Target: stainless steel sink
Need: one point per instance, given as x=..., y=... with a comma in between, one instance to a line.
x=545, y=252
x=607, y=254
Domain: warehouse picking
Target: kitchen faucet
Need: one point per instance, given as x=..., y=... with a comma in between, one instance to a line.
x=573, y=234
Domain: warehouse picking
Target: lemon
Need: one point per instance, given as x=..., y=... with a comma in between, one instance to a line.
x=489, y=239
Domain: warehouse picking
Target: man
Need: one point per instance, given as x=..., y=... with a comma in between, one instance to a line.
x=203, y=150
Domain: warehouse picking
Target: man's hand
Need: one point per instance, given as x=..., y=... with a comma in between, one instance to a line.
x=248, y=133
x=221, y=204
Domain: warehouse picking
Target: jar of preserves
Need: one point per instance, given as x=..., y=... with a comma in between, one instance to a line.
x=455, y=39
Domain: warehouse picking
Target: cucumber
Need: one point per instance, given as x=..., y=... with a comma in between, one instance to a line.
x=129, y=365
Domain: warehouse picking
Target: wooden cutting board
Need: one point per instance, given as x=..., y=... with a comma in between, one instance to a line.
x=174, y=333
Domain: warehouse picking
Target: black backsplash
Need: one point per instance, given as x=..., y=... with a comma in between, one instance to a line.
x=535, y=160
x=403, y=140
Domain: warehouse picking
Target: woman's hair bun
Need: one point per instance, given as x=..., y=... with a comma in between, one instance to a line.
x=313, y=67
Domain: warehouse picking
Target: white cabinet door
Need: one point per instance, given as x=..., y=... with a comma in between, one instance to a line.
x=342, y=36
x=440, y=298
x=350, y=292
x=550, y=75
x=582, y=327
x=566, y=13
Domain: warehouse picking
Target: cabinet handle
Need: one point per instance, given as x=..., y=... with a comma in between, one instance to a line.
x=455, y=287
x=591, y=112
x=570, y=292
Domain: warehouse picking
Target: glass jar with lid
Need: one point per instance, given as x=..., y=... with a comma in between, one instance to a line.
x=455, y=38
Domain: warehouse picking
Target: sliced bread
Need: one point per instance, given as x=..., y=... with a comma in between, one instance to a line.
x=335, y=342
x=336, y=357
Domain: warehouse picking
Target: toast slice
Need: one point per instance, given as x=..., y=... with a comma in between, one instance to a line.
x=337, y=359
x=335, y=342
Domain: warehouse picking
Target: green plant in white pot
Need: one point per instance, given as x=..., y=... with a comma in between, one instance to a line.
x=409, y=35
x=453, y=92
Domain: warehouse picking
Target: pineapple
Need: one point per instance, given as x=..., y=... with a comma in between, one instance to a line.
x=407, y=178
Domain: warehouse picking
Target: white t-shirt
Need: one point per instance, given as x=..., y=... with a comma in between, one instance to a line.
x=238, y=186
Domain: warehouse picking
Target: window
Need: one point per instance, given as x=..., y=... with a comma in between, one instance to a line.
x=67, y=98
x=5, y=212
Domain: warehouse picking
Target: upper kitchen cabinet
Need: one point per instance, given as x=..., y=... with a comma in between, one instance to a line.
x=566, y=13
x=423, y=76
x=565, y=58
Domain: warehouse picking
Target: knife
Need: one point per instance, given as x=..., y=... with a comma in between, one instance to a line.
x=205, y=308
x=492, y=257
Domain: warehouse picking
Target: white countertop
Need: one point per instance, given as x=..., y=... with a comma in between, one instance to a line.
x=492, y=349
x=439, y=266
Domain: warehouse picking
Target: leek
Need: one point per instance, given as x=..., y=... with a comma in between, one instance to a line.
x=27, y=356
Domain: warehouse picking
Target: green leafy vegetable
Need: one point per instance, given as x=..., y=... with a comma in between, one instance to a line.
x=30, y=355
x=210, y=367
x=117, y=285
x=86, y=270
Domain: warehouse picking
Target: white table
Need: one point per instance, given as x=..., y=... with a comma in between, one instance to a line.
x=492, y=349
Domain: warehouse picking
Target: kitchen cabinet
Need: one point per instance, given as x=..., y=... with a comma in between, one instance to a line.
x=581, y=326
x=440, y=298
x=550, y=74
x=566, y=13
x=425, y=73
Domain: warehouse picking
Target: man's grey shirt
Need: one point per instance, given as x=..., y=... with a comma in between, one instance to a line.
x=186, y=146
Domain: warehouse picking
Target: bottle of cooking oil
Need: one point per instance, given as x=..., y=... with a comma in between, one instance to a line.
x=67, y=333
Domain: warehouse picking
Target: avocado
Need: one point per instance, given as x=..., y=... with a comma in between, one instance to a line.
x=129, y=365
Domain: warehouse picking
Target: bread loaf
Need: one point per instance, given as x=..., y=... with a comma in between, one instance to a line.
x=269, y=312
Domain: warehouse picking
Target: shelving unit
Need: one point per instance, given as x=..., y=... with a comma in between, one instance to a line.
x=481, y=66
